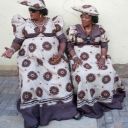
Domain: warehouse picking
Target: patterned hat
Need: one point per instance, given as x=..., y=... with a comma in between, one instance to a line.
x=35, y=4
x=89, y=9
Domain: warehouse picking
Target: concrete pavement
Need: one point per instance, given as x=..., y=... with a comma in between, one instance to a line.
x=10, y=118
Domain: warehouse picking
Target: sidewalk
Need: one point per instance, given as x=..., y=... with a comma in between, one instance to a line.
x=10, y=118
x=116, y=118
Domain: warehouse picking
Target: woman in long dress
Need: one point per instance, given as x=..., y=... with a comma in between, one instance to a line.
x=97, y=85
x=46, y=89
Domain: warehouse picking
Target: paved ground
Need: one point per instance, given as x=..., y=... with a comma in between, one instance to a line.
x=116, y=118
x=10, y=118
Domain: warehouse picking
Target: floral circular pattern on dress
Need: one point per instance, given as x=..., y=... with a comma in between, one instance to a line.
x=27, y=96
x=32, y=47
x=47, y=46
x=21, y=52
x=90, y=77
x=105, y=94
x=84, y=56
x=81, y=94
x=26, y=63
x=98, y=56
x=58, y=27
x=39, y=92
x=77, y=78
x=32, y=75
x=62, y=72
x=106, y=79
x=87, y=66
x=54, y=90
x=39, y=61
x=47, y=76
x=69, y=87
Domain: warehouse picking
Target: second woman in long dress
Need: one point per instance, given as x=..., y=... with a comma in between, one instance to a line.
x=98, y=87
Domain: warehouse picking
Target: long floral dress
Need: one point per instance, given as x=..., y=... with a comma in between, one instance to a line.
x=46, y=89
x=97, y=90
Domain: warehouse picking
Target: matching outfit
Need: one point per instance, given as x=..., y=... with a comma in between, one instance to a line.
x=47, y=92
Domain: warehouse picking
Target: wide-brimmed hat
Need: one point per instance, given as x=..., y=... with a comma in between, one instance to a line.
x=89, y=9
x=35, y=4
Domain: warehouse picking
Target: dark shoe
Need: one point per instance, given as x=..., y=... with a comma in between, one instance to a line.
x=77, y=116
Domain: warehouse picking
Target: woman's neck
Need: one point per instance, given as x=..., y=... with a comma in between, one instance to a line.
x=39, y=20
x=88, y=28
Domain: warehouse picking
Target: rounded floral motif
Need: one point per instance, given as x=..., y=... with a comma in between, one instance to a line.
x=26, y=63
x=54, y=90
x=21, y=52
x=27, y=96
x=47, y=76
x=32, y=75
x=69, y=87
x=106, y=79
x=32, y=47
x=90, y=77
x=58, y=27
x=62, y=72
x=81, y=94
x=39, y=92
x=77, y=78
x=105, y=94
x=87, y=66
x=92, y=91
x=84, y=56
x=98, y=56
x=47, y=46
x=39, y=61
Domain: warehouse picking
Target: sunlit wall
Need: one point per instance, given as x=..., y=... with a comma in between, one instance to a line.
x=113, y=17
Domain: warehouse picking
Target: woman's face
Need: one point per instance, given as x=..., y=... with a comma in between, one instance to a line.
x=86, y=19
x=34, y=14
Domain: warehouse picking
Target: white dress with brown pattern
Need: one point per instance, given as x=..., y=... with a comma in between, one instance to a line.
x=41, y=81
x=92, y=85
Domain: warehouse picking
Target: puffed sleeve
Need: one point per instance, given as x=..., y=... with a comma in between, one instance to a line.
x=18, y=24
x=103, y=38
x=59, y=23
x=71, y=37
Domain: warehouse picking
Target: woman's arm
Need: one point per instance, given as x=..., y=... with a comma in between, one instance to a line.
x=15, y=46
x=104, y=48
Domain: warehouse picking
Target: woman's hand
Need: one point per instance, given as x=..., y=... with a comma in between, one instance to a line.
x=8, y=53
x=101, y=62
x=56, y=59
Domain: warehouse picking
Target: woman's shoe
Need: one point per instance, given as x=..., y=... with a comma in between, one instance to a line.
x=77, y=116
